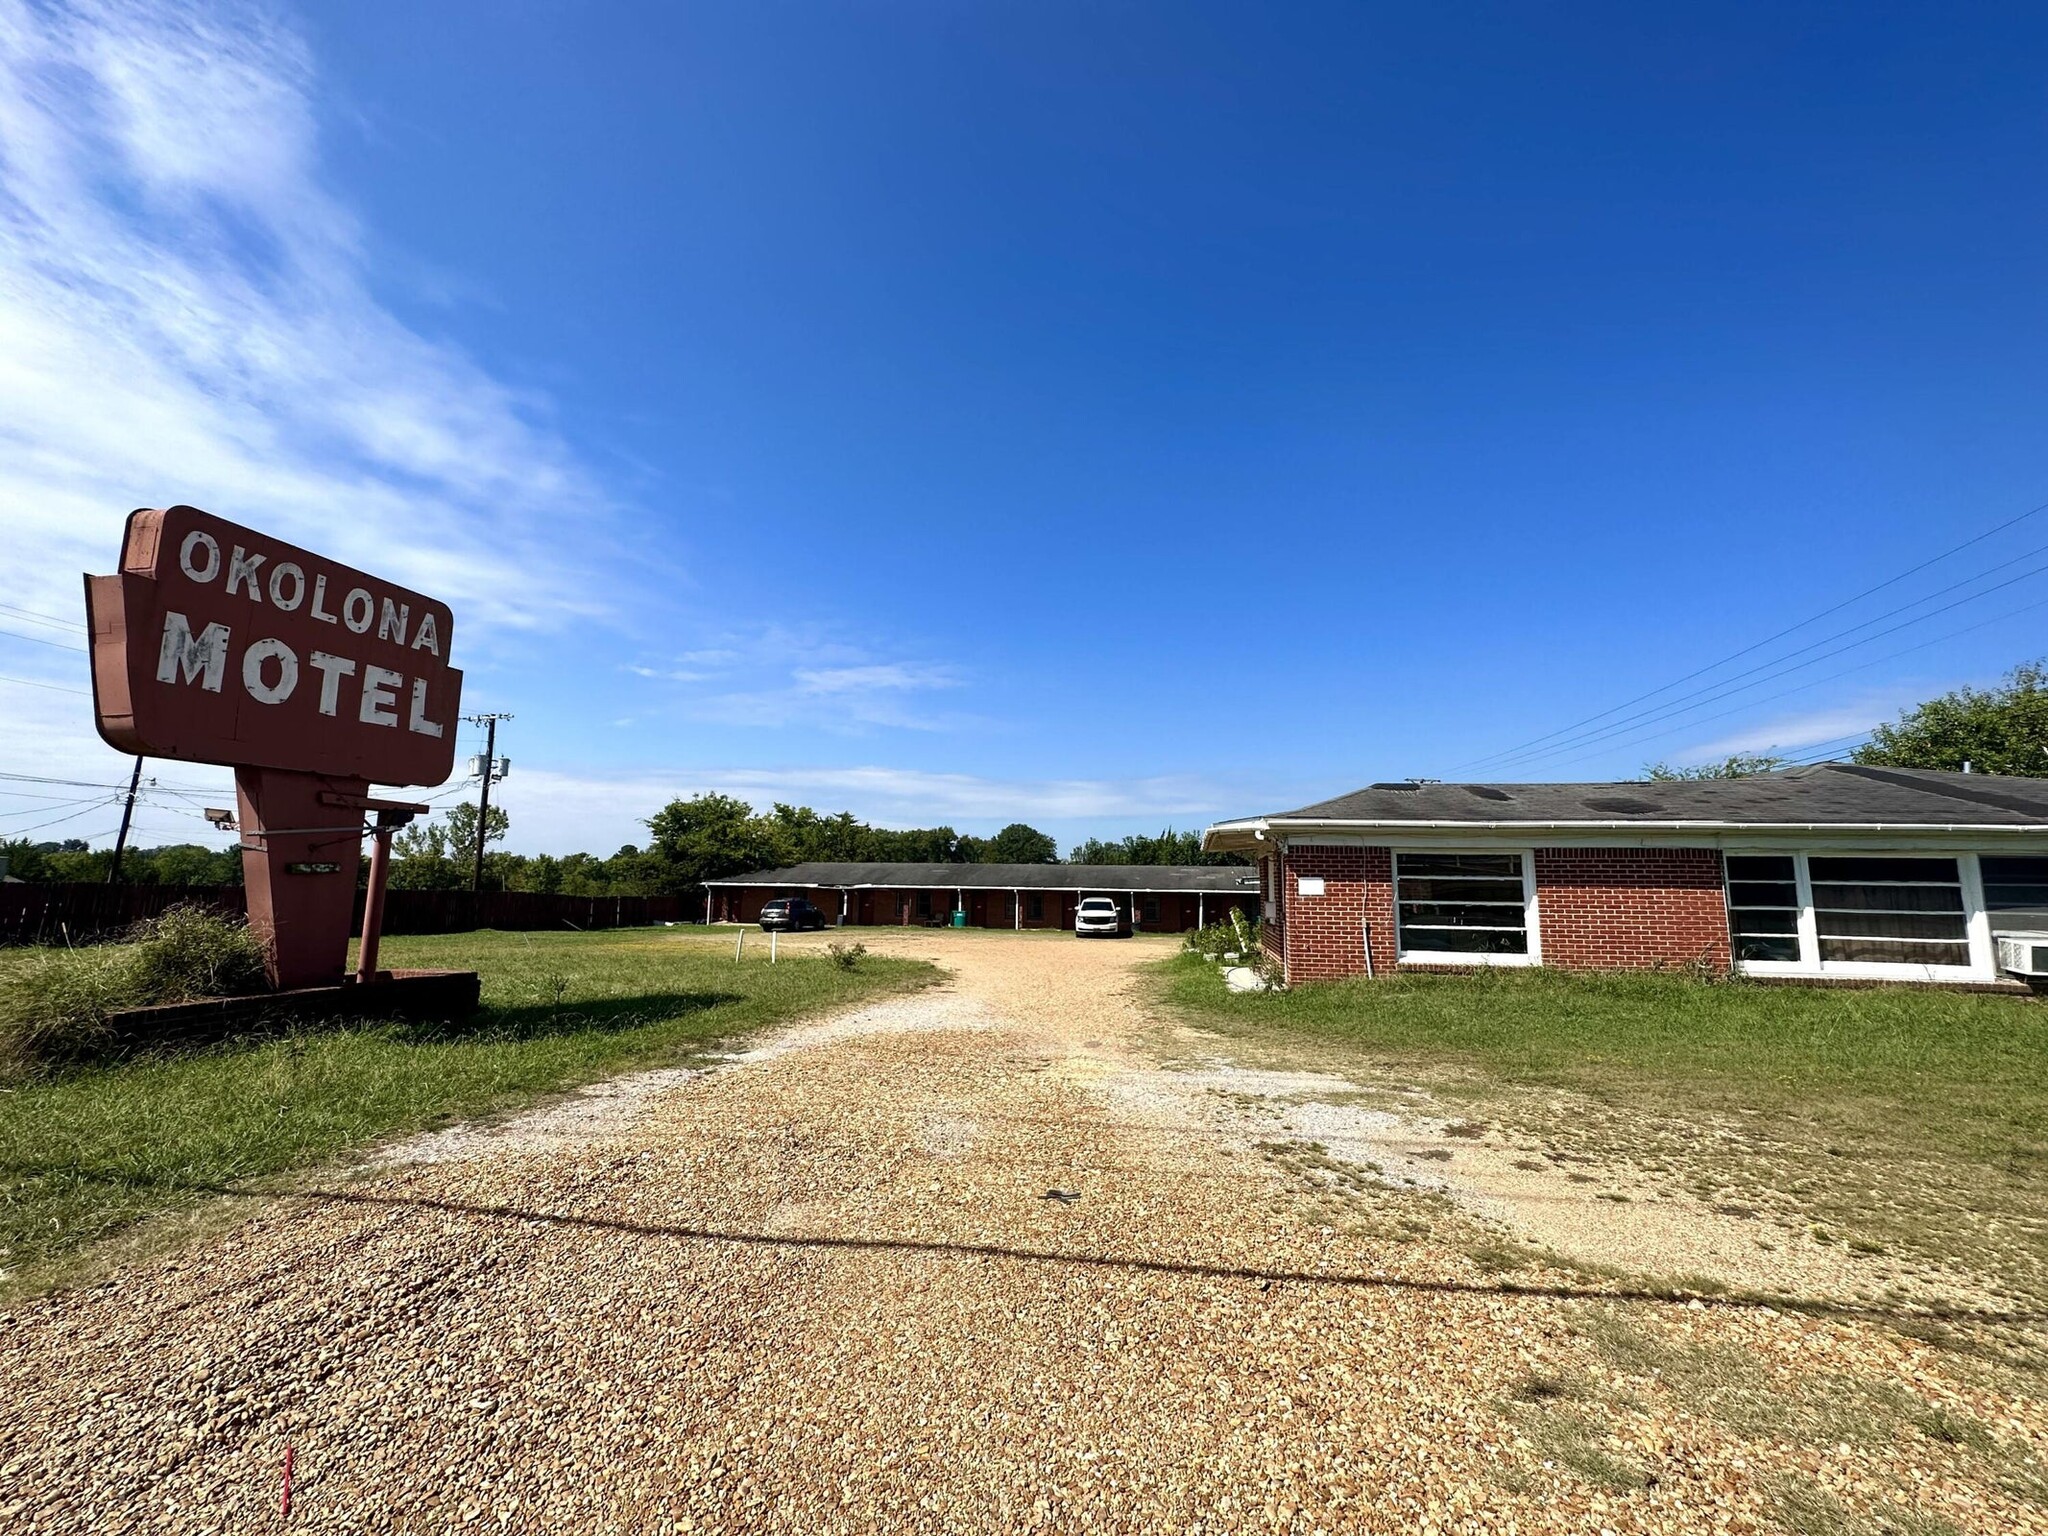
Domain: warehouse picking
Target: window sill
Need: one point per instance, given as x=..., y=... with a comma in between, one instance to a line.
x=1460, y=962
x=1865, y=971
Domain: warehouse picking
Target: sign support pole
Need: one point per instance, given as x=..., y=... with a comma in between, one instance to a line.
x=373, y=898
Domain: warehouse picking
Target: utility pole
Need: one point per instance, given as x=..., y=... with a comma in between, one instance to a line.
x=483, y=797
x=127, y=815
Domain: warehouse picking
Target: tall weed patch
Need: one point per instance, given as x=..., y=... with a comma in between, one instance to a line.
x=56, y=1002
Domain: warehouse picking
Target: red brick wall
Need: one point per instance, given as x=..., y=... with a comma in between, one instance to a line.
x=1597, y=909
x=1631, y=908
x=1325, y=935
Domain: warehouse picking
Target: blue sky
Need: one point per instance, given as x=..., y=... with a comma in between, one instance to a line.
x=1102, y=416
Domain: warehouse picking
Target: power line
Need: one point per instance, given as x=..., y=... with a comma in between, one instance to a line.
x=1849, y=602
x=60, y=820
x=70, y=626
x=1716, y=692
x=55, y=645
x=34, y=778
x=53, y=687
x=1860, y=666
x=47, y=801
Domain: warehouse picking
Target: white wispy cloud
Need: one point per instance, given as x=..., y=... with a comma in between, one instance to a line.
x=1788, y=733
x=779, y=675
x=185, y=316
x=892, y=677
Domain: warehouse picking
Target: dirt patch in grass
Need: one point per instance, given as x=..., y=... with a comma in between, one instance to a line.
x=1888, y=1146
x=1346, y=1141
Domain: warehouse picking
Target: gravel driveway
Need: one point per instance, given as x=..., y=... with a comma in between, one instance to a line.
x=923, y=1268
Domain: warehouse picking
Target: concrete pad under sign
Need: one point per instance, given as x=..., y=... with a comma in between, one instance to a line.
x=395, y=995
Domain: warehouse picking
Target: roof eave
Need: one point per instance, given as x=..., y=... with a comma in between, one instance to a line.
x=1289, y=826
x=1248, y=835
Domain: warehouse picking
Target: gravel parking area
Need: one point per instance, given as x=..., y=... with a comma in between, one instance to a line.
x=934, y=1266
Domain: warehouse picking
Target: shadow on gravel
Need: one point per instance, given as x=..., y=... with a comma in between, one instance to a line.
x=1903, y=1317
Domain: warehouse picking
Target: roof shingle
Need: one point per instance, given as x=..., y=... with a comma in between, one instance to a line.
x=1229, y=879
x=1838, y=794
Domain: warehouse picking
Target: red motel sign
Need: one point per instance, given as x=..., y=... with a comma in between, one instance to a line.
x=219, y=644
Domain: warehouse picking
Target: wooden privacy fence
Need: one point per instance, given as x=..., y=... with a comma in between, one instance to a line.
x=51, y=914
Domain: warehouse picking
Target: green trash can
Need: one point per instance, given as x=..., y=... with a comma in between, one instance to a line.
x=959, y=918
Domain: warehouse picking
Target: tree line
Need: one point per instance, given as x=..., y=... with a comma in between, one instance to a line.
x=703, y=837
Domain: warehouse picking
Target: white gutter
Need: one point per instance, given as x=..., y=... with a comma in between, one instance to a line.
x=1249, y=836
x=1349, y=827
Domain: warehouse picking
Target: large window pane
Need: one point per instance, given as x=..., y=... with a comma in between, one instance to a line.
x=1763, y=907
x=1891, y=925
x=1475, y=889
x=1767, y=920
x=1862, y=871
x=1764, y=946
x=1498, y=865
x=2014, y=882
x=1466, y=915
x=1891, y=911
x=2016, y=892
x=1763, y=893
x=1760, y=866
x=1888, y=898
x=1893, y=952
x=1461, y=903
x=1463, y=941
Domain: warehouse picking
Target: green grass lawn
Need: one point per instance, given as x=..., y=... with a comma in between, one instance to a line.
x=1910, y=1118
x=90, y=1150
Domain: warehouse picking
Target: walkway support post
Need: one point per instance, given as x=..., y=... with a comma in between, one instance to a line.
x=373, y=899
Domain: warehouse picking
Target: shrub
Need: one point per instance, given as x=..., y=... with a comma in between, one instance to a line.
x=189, y=952
x=1232, y=935
x=56, y=1002
x=846, y=956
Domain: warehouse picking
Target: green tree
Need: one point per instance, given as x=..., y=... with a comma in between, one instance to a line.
x=1019, y=844
x=1739, y=765
x=188, y=864
x=1169, y=847
x=712, y=835
x=441, y=855
x=460, y=821
x=1995, y=730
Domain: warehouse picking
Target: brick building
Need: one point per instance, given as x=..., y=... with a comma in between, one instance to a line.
x=1152, y=898
x=1831, y=871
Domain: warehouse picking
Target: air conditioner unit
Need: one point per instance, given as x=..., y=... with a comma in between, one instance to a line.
x=2024, y=954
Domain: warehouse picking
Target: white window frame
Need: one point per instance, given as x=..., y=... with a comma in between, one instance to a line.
x=1530, y=923
x=1976, y=921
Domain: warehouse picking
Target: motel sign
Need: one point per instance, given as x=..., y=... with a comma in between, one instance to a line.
x=219, y=644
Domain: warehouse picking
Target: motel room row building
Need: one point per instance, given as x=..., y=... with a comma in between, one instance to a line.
x=1831, y=872
x=1151, y=898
